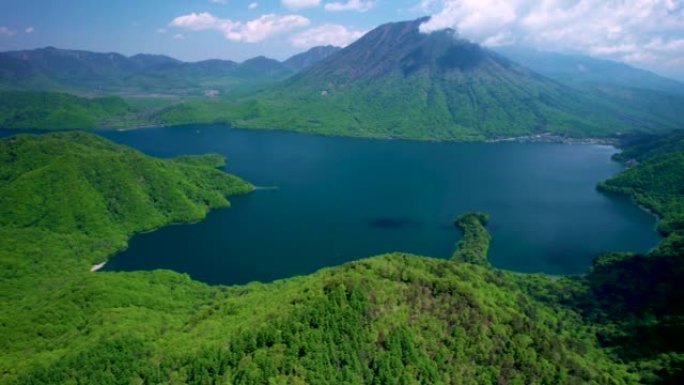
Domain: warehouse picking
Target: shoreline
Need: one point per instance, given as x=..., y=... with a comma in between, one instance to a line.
x=97, y=266
x=532, y=138
x=550, y=138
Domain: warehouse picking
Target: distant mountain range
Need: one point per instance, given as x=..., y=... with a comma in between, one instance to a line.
x=587, y=70
x=83, y=72
x=398, y=82
x=394, y=82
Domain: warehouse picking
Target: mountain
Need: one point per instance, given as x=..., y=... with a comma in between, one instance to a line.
x=398, y=82
x=226, y=77
x=91, y=73
x=88, y=73
x=151, y=61
x=302, y=60
x=53, y=69
x=50, y=67
x=262, y=66
x=588, y=70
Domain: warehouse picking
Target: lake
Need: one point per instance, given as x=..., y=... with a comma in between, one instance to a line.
x=341, y=199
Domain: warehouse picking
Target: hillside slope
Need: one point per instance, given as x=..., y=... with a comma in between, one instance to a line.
x=50, y=110
x=82, y=188
x=313, y=55
x=637, y=301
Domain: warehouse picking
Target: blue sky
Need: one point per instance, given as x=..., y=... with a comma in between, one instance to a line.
x=134, y=26
x=645, y=33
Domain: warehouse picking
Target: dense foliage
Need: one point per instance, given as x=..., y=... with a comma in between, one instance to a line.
x=68, y=200
x=474, y=245
x=656, y=180
x=47, y=110
x=637, y=301
x=89, y=193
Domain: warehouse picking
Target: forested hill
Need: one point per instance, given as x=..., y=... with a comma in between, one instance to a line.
x=80, y=195
x=72, y=199
x=638, y=300
x=656, y=178
x=51, y=110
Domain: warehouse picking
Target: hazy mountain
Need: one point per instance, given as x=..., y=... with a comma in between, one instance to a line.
x=302, y=60
x=398, y=82
x=262, y=66
x=150, y=61
x=83, y=72
x=51, y=67
x=588, y=70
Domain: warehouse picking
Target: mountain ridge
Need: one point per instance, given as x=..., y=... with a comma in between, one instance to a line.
x=85, y=72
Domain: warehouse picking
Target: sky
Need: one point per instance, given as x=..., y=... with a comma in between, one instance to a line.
x=645, y=33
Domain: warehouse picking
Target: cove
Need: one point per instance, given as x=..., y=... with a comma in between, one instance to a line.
x=341, y=199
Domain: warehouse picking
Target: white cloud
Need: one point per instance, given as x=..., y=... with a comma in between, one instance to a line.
x=30, y=30
x=223, y=2
x=179, y=36
x=162, y=31
x=296, y=4
x=197, y=21
x=253, y=5
x=333, y=34
x=350, y=5
x=647, y=32
x=4, y=31
x=252, y=31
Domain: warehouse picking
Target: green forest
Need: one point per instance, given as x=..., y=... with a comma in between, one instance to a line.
x=70, y=200
x=51, y=110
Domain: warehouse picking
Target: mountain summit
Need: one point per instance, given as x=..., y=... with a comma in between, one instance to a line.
x=398, y=82
x=401, y=47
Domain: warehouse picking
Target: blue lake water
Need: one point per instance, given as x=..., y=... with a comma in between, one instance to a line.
x=341, y=199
